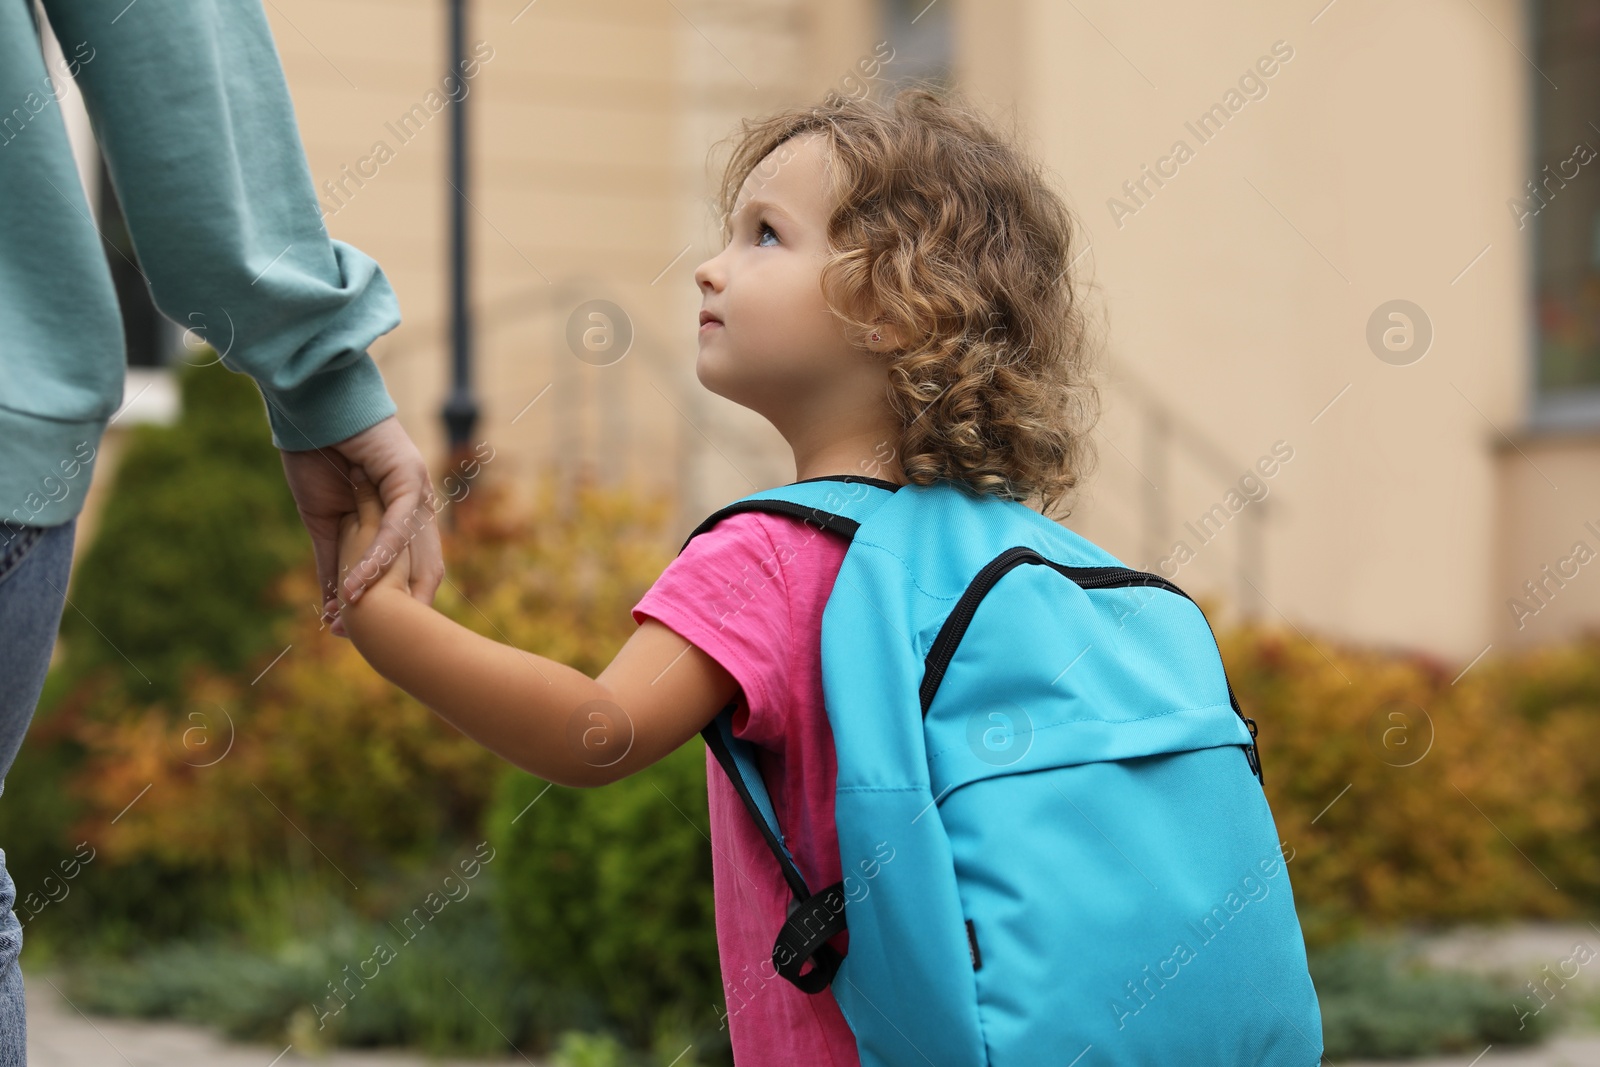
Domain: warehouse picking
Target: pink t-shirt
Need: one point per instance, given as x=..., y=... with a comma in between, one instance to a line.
x=749, y=592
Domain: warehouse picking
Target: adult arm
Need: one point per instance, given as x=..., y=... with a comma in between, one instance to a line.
x=193, y=115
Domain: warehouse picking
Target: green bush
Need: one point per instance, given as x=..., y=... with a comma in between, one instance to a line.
x=1375, y=1005
x=578, y=1049
x=609, y=890
x=447, y=986
x=198, y=528
x=245, y=994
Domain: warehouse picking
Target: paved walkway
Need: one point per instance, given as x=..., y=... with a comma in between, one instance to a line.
x=1560, y=1052
x=61, y=1036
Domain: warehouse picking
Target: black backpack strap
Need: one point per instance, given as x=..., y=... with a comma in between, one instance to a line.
x=805, y=936
x=813, y=918
x=738, y=759
x=838, y=523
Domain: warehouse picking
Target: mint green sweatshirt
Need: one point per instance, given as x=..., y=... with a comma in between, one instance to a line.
x=189, y=104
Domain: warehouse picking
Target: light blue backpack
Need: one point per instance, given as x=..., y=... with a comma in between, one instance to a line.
x=1055, y=848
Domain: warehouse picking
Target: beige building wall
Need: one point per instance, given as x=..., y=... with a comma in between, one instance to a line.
x=1547, y=559
x=1375, y=167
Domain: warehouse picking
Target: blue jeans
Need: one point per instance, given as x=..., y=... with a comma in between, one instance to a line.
x=34, y=564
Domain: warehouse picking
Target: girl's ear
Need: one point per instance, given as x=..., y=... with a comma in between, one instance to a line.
x=884, y=338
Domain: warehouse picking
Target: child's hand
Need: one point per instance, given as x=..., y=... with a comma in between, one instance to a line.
x=356, y=532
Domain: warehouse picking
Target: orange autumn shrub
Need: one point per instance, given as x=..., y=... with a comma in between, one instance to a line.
x=561, y=577
x=322, y=753
x=321, y=764
x=1407, y=796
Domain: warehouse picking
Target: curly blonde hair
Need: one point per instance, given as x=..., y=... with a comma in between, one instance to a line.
x=948, y=233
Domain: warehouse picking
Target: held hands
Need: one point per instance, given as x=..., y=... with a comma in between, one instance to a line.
x=357, y=531
x=320, y=482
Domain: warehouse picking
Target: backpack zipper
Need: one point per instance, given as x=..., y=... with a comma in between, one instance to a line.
x=943, y=649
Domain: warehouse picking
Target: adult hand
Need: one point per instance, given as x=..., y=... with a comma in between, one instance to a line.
x=356, y=531
x=323, y=491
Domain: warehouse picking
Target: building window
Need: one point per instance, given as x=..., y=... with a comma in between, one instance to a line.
x=919, y=31
x=149, y=337
x=1561, y=204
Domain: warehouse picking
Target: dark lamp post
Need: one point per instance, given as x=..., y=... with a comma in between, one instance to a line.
x=461, y=409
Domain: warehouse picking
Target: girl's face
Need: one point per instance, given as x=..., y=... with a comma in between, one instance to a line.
x=778, y=350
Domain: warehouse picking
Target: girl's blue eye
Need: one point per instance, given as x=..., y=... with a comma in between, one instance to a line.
x=763, y=228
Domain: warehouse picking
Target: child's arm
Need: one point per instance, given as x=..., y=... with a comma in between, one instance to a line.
x=546, y=717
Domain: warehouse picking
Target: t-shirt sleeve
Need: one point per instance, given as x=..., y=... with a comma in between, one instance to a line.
x=725, y=594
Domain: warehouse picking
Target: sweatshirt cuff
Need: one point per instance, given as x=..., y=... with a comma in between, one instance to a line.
x=329, y=407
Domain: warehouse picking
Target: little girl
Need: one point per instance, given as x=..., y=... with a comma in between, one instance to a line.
x=894, y=296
